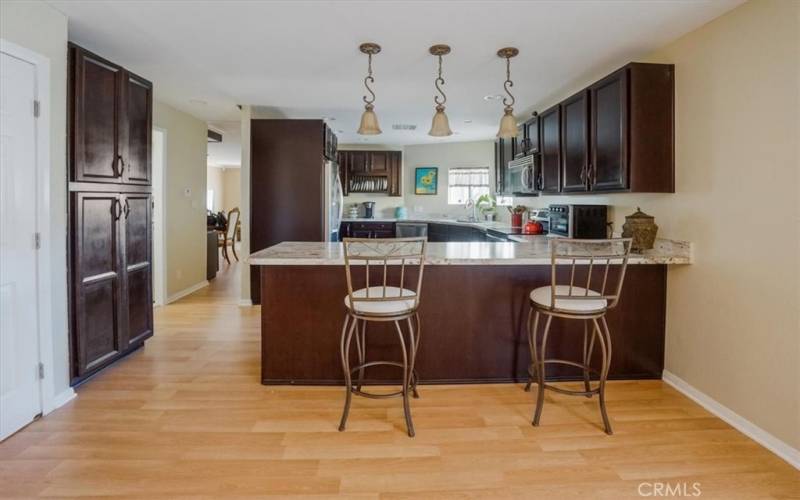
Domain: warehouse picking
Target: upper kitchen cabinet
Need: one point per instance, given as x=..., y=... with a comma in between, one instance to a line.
x=548, y=180
x=110, y=120
x=618, y=135
x=575, y=142
x=371, y=172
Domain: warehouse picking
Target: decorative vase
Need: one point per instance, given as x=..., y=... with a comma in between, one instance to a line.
x=642, y=228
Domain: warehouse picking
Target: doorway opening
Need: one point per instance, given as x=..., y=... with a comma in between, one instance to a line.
x=159, y=162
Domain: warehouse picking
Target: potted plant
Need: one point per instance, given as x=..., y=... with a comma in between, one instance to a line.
x=487, y=204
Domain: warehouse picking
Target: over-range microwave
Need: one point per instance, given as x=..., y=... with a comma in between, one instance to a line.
x=579, y=221
x=521, y=178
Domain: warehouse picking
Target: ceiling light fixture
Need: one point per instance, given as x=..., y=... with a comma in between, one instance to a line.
x=508, y=125
x=369, y=121
x=440, y=125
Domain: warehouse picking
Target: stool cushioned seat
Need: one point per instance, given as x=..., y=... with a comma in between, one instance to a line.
x=543, y=295
x=382, y=307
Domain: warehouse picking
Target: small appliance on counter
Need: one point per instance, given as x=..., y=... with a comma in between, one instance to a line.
x=352, y=212
x=579, y=221
x=538, y=221
x=369, y=209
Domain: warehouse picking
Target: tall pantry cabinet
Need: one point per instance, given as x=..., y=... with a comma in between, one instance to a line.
x=109, y=127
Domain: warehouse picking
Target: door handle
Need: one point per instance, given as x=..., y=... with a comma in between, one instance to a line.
x=121, y=165
x=127, y=209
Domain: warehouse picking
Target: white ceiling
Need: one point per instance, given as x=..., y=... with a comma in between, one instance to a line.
x=227, y=153
x=301, y=60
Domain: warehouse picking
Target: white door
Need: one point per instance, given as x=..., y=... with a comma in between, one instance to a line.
x=159, y=295
x=20, y=391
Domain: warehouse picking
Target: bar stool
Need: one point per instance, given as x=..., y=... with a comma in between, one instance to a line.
x=605, y=261
x=398, y=261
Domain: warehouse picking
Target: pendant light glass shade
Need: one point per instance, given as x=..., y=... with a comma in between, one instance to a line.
x=440, y=126
x=508, y=125
x=369, y=122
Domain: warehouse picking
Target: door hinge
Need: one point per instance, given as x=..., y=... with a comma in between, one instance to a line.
x=41, y=371
x=36, y=109
x=37, y=240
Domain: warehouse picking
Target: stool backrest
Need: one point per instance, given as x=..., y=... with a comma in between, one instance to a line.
x=601, y=263
x=392, y=262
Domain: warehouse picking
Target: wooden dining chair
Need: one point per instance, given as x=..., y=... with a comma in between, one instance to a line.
x=229, y=234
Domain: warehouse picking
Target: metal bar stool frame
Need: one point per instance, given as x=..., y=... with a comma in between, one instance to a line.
x=387, y=253
x=589, y=254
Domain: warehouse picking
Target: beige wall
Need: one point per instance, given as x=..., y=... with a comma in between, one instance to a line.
x=733, y=327
x=231, y=188
x=42, y=29
x=185, y=211
x=214, y=182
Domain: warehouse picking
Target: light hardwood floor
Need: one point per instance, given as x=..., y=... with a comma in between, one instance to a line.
x=187, y=417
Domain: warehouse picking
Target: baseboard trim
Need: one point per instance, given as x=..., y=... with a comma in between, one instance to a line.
x=746, y=427
x=187, y=291
x=62, y=398
x=245, y=303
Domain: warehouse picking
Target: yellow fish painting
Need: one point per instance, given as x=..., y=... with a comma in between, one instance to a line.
x=426, y=180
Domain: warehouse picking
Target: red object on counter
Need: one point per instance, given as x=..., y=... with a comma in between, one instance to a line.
x=516, y=221
x=533, y=227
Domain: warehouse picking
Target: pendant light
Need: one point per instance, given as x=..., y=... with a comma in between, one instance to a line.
x=508, y=125
x=440, y=126
x=369, y=120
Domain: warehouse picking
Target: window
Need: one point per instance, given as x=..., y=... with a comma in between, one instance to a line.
x=210, y=200
x=464, y=184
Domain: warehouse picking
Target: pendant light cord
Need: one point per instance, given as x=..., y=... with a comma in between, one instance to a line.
x=440, y=81
x=369, y=80
x=508, y=84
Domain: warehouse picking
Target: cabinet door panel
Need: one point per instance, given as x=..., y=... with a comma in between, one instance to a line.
x=98, y=332
x=609, y=132
x=96, y=87
x=136, y=131
x=574, y=142
x=550, y=131
x=358, y=162
x=395, y=173
x=379, y=162
x=138, y=266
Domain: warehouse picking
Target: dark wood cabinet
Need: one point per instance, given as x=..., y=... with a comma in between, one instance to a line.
x=110, y=212
x=112, y=298
x=110, y=121
x=371, y=172
x=96, y=96
x=575, y=142
x=97, y=281
x=504, y=150
x=136, y=130
x=550, y=150
x=366, y=229
x=617, y=135
x=608, y=167
x=137, y=257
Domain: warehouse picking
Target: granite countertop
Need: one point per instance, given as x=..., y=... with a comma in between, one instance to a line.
x=534, y=251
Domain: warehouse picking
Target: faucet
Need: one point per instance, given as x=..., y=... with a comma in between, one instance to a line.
x=471, y=205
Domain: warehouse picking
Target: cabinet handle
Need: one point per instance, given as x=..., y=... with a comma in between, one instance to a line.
x=583, y=174
x=539, y=181
x=127, y=209
x=592, y=175
x=121, y=165
x=116, y=209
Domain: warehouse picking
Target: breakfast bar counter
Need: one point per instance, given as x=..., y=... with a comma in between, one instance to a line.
x=473, y=313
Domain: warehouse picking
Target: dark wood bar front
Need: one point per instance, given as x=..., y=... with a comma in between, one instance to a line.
x=472, y=326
